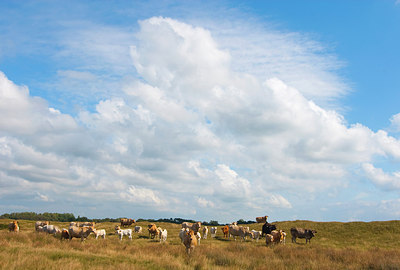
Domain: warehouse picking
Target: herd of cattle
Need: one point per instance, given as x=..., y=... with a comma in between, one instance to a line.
x=189, y=234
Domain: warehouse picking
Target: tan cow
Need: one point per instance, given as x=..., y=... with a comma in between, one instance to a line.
x=79, y=232
x=153, y=230
x=240, y=231
x=261, y=219
x=194, y=227
x=127, y=221
x=87, y=224
x=190, y=241
x=41, y=224
x=13, y=226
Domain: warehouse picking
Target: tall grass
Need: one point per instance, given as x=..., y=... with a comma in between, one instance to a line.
x=354, y=245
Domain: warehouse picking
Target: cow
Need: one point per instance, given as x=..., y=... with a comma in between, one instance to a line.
x=302, y=233
x=138, y=229
x=79, y=232
x=64, y=234
x=127, y=222
x=267, y=228
x=256, y=234
x=190, y=241
x=261, y=219
x=51, y=229
x=153, y=230
x=163, y=235
x=283, y=239
x=194, y=227
x=101, y=233
x=205, y=232
x=198, y=236
x=121, y=233
x=236, y=230
x=269, y=239
x=182, y=233
x=213, y=231
x=41, y=224
x=225, y=231
x=13, y=226
x=87, y=224
x=275, y=237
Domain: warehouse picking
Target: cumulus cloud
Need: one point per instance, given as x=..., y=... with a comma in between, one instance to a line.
x=191, y=136
x=381, y=179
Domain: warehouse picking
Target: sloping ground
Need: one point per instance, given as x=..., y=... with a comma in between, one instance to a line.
x=354, y=245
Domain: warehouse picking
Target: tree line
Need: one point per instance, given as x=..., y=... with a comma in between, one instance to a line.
x=68, y=217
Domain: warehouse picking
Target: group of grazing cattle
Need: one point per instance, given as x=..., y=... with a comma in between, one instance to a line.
x=189, y=234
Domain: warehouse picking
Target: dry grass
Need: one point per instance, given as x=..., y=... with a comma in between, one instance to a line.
x=354, y=245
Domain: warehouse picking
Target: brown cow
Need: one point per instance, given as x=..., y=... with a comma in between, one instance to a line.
x=13, y=226
x=302, y=233
x=127, y=221
x=190, y=241
x=225, y=230
x=261, y=219
x=153, y=230
x=64, y=234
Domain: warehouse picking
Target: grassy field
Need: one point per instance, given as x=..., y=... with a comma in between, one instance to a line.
x=353, y=245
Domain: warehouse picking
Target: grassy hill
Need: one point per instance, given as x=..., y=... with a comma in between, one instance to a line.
x=352, y=245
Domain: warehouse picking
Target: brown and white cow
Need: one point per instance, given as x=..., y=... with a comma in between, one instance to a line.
x=41, y=224
x=261, y=219
x=190, y=241
x=192, y=226
x=13, y=226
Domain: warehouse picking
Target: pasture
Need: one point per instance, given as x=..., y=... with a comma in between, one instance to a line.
x=353, y=245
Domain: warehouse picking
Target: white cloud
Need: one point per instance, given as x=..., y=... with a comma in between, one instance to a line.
x=395, y=122
x=141, y=195
x=381, y=179
x=193, y=131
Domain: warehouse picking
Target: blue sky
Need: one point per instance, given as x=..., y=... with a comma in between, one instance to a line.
x=186, y=109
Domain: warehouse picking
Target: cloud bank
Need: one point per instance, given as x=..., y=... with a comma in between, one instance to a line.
x=190, y=136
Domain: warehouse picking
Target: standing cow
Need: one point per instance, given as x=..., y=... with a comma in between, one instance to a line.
x=302, y=233
x=267, y=228
x=194, y=227
x=13, y=226
x=261, y=219
x=190, y=241
x=127, y=222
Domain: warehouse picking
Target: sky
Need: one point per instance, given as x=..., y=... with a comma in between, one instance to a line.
x=206, y=110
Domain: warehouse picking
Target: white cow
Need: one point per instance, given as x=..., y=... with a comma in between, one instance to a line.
x=163, y=235
x=182, y=233
x=205, y=232
x=138, y=229
x=213, y=231
x=51, y=229
x=121, y=233
x=198, y=236
x=101, y=233
x=256, y=234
